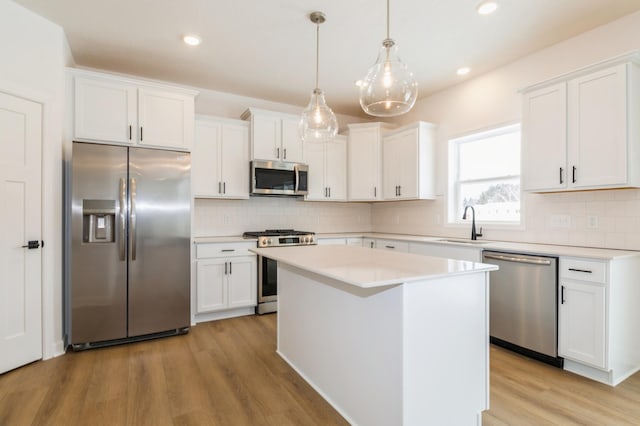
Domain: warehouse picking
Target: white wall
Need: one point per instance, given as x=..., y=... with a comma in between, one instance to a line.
x=493, y=99
x=34, y=53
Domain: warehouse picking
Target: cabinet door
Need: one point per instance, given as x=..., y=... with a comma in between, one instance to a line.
x=400, y=165
x=389, y=168
x=266, y=137
x=292, y=146
x=105, y=111
x=336, y=168
x=243, y=289
x=582, y=323
x=315, y=159
x=364, y=165
x=165, y=119
x=544, y=139
x=234, y=161
x=598, y=128
x=211, y=285
x=406, y=147
x=205, y=160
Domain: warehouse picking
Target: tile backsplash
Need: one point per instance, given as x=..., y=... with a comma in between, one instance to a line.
x=233, y=217
x=606, y=219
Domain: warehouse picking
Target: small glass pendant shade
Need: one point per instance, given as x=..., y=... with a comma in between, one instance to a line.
x=389, y=89
x=318, y=122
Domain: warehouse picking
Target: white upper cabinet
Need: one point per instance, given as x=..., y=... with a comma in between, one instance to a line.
x=220, y=158
x=364, y=177
x=408, y=171
x=165, y=119
x=274, y=136
x=105, y=110
x=327, y=169
x=110, y=109
x=577, y=133
x=544, y=138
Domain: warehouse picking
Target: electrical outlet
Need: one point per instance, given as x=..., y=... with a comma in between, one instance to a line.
x=227, y=219
x=592, y=222
x=560, y=221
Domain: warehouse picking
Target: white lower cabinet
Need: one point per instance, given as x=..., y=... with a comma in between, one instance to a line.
x=581, y=324
x=581, y=311
x=598, y=317
x=225, y=277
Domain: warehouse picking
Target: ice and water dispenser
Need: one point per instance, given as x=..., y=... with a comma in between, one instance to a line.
x=98, y=221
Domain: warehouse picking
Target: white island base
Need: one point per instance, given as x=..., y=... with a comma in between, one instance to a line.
x=413, y=352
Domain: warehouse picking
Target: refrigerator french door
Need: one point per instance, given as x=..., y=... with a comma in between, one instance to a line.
x=130, y=244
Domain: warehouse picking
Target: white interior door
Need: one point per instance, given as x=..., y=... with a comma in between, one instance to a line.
x=20, y=222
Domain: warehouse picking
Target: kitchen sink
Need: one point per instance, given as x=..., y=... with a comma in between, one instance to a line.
x=462, y=241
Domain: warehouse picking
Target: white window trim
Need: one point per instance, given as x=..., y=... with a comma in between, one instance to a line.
x=452, y=221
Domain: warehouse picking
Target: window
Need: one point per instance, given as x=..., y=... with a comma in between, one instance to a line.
x=484, y=172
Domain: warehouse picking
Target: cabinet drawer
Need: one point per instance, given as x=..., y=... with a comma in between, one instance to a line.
x=224, y=249
x=583, y=270
x=395, y=245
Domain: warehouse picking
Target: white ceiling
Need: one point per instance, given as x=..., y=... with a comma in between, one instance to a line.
x=266, y=48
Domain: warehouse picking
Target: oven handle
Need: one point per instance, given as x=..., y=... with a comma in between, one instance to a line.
x=517, y=259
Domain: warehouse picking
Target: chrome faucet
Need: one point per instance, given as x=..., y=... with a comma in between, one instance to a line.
x=474, y=234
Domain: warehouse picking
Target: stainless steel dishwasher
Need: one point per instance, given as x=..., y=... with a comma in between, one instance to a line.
x=524, y=304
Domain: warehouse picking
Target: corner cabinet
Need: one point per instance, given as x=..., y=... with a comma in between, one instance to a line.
x=577, y=129
x=408, y=170
x=220, y=158
x=225, y=277
x=364, y=146
x=274, y=136
x=118, y=110
x=327, y=169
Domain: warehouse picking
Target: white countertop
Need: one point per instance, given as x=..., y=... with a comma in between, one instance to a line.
x=525, y=248
x=366, y=268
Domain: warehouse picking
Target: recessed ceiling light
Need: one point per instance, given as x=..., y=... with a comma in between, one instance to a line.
x=463, y=71
x=191, y=40
x=487, y=7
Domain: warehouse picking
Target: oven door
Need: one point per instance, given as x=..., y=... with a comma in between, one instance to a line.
x=267, y=280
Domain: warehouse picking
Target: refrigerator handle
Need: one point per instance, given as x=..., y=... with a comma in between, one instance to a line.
x=123, y=223
x=132, y=217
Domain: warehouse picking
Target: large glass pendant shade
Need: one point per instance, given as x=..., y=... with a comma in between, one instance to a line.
x=389, y=88
x=318, y=122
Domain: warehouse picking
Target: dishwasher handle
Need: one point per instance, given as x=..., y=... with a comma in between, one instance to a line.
x=519, y=259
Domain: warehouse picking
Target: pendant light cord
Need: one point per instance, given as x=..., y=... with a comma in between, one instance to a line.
x=317, y=52
x=388, y=18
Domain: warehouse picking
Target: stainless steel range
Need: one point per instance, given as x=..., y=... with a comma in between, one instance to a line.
x=268, y=268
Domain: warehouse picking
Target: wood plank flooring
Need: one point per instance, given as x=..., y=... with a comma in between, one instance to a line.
x=227, y=373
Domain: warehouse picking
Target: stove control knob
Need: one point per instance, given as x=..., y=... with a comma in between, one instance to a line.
x=269, y=241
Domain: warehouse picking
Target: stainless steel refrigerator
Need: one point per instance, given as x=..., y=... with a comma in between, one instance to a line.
x=130, y=244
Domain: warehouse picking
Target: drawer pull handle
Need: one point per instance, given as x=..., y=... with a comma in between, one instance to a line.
x=586, y=271
x=390, y=247
x=227, y=250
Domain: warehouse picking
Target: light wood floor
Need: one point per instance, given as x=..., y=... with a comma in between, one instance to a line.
x=227, y=373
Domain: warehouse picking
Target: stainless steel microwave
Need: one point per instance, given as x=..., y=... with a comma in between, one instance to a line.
x=278, y=178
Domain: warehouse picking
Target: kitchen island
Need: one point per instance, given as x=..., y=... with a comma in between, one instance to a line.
x=386, y=338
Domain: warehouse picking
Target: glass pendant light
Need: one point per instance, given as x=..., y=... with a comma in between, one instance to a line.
x=388, y=89
x=318, y=122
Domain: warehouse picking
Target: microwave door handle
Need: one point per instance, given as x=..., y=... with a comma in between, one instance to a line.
x=297, y=172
